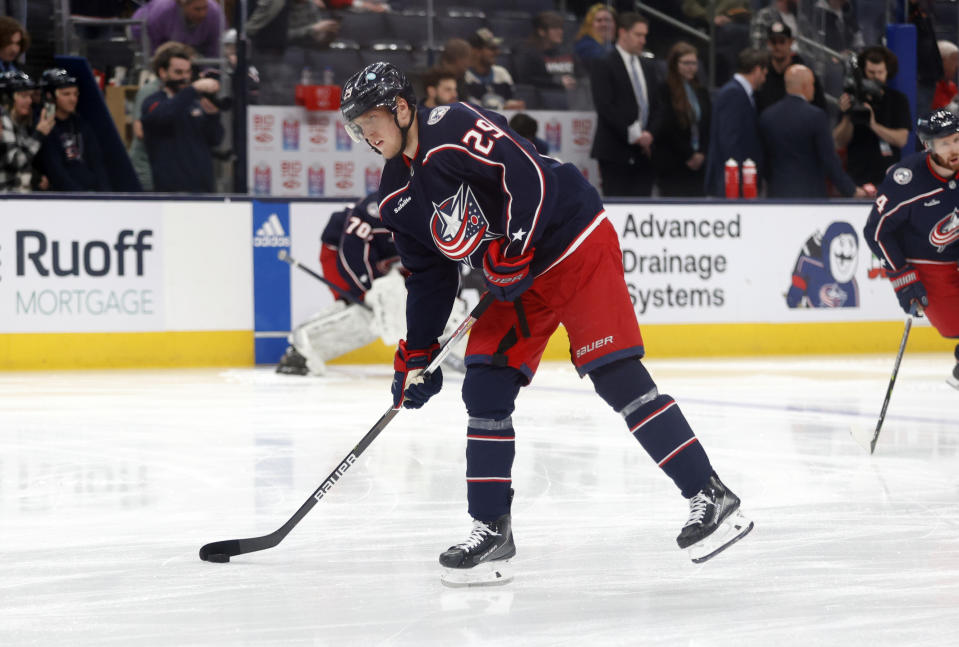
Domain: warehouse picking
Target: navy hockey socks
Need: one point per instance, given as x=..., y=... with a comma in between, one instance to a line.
x=656, y=421
x=489, y=393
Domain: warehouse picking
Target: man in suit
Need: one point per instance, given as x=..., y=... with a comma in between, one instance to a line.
x=623, y=85
x=734, y=133
x=800, y=153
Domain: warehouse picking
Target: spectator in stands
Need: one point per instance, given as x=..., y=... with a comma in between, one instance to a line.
x=873, y=129
x=22, y=134
x=484, y=82
x=14, y=42
x=798, y=144
x=784, y=11
x=544, y=61
x=528, y=127
x=439, y=86
x=268, y=29
x=835, y=26
x=930, y=68
x=310, y=26
x=456, y=57
x=681, y=132
x=181, y=125
x=946, y=87
x=70, y=156
x=734, y=127
x=197, y=23
x=597, y=34
x=779, y=42
x=138, y=150
x=726, y=11
x=624, y=93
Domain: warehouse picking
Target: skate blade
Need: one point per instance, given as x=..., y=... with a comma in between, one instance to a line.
x=486, y=574
x=734, y=528
x=953, y=382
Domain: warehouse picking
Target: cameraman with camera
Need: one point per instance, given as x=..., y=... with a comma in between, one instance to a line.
x=181, y=125
x=875, y=119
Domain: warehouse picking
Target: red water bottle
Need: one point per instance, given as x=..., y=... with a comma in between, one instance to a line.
x=750, y=182
x=732, y=178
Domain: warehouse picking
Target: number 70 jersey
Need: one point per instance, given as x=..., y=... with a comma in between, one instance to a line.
x=473, y=180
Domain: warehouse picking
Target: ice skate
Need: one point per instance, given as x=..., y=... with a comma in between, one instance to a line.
x=482, y=559
x=715, y=522
x=292, y=363
x=953, y=380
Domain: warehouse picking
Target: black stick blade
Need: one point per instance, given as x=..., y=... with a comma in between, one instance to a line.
x=220, y=551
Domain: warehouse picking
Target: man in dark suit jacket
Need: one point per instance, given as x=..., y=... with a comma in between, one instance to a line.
x=734, y=133
x=624, y=94
x=800, y=152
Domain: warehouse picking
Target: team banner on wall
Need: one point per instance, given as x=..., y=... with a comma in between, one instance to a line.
x=295, y=152
x=95, y=267
x=739, y=263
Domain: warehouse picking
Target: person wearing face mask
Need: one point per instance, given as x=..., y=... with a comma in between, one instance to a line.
x=181, y=125
x=70, y=157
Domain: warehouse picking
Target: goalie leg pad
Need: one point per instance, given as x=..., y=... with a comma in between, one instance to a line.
x=331, y=333
x=656, y=421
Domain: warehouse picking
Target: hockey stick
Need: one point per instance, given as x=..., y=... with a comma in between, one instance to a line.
x=865, y=440
x=284, y=256
x=222, y=551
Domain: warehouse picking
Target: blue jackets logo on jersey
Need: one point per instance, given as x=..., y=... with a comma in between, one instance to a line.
x=946, y=231
x=458, y=224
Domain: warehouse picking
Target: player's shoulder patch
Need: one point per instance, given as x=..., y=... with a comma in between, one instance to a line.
x=436, y=114
x=373, y=209
x=902, y=175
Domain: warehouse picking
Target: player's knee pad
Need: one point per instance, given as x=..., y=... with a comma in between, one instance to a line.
x=619, y=383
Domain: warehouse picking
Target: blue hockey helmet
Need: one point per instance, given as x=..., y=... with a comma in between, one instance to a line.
x=940, y=123
x=376, y=85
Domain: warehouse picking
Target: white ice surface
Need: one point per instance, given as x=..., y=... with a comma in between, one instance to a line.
x=111, y=481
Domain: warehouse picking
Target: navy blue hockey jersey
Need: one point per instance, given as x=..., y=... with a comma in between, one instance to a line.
x=364, y=247
x=473, y=180
x=914, y=217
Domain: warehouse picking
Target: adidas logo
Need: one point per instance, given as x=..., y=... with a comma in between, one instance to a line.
x=271, y=234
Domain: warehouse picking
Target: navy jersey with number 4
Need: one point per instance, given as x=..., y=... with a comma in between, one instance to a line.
x=473, y=180
x=914, y=217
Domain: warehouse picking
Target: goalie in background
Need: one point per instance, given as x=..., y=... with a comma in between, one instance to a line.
x=358, y=255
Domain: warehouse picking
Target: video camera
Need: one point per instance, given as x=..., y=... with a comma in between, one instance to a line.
x=862, y=91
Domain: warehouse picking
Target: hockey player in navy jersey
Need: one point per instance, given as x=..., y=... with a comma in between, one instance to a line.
x=459, y=186
x=914, y=227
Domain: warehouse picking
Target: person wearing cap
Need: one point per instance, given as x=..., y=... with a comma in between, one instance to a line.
x=70, y=156
x=797, y=140
x=485, y=83
x=779, y=42
x=913, y=230
x=784, y=11
x=22, y=134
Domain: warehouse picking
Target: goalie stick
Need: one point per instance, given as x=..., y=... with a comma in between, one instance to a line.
x=284, y=256
x=222, y=551
x=864, y=440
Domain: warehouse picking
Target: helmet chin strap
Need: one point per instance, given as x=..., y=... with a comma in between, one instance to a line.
x=404, y=132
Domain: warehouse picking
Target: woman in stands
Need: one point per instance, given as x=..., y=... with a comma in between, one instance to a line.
x=23, y=134
x=596, y=35
x=14, y=41
x=682, y=131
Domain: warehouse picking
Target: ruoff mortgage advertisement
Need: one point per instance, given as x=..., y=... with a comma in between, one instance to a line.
x=80, y=266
